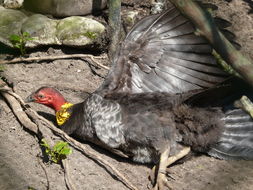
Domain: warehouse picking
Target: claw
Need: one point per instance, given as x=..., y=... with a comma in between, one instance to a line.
x=152, y=175
x=170, y=176
x=165, y=161
x=161, y=182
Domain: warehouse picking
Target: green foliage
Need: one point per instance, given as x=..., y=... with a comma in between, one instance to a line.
x=59, y=151
x=91, y=35
x=19, y=41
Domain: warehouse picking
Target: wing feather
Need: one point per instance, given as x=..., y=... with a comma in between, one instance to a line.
x=162, y=53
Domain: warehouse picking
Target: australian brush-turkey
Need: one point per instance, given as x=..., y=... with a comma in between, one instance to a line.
x=149, y=105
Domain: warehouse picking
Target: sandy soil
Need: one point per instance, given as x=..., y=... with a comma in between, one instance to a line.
x=20, y=153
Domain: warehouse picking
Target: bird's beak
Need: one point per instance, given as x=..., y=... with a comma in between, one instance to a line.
x=30, y=99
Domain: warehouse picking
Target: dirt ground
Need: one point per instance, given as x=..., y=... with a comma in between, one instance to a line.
x=20, y=153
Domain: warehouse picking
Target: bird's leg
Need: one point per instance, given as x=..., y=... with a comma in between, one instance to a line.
x=161, y=179
x=178, y=156
x=165, y=161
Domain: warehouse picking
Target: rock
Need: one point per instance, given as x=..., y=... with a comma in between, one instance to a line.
x=78, y=30
x=12, y=4
x=10, y=23
x=63, y=8
x=42, y=30
x=71, y=31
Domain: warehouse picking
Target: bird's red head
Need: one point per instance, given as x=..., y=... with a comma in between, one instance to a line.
x=47, y=96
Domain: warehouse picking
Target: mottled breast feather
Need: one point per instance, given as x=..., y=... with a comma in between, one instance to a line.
x=105, y=117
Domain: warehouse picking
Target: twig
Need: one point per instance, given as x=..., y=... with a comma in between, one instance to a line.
x=14, y=100
x=44, y=169
x=94, y=71
x=65, y=165
x=21, y=59
x=18, y=111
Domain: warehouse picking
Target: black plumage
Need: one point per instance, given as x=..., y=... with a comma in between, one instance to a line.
x=150, y=99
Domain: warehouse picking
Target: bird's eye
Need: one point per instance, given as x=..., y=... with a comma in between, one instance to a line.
x=40, y=96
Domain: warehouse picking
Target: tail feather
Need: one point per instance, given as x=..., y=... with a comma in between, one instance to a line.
x=236, y=141
x=228, y=152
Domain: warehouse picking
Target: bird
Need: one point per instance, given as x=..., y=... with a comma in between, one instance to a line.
x=159, y=101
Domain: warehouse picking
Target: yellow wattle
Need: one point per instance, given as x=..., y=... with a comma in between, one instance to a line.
x=62, y=115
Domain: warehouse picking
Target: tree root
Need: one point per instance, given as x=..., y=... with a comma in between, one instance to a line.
x=44, y=169
x=65, y=165
x=40, y=126
x=29, y=59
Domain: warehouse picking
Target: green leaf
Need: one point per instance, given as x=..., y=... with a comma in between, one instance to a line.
x=58, y=152
x=26, y=34
x=55, y=160
x=29, y=39
x=19, y=41
x=59, y=146
x=17, y=46
x=14, y=38
x=66, y=151
x=44, y=144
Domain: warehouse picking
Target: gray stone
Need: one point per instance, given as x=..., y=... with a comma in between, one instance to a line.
x=71, y=31
x=62, y=8
x=10, y=23
x=77, y=30
x=42, y=30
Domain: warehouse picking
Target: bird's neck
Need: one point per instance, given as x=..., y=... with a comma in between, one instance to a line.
x=61, y=107
x=58, y=102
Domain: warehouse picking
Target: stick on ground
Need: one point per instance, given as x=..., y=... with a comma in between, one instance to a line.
x=29, y=59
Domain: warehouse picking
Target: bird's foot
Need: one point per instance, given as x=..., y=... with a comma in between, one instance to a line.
x=161, y=178
x=161, y=181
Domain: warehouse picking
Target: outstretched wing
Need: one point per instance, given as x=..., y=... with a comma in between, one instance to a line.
x=162, y=53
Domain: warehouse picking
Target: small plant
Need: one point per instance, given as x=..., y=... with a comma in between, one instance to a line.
x=59, y=151
x=19, y=41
